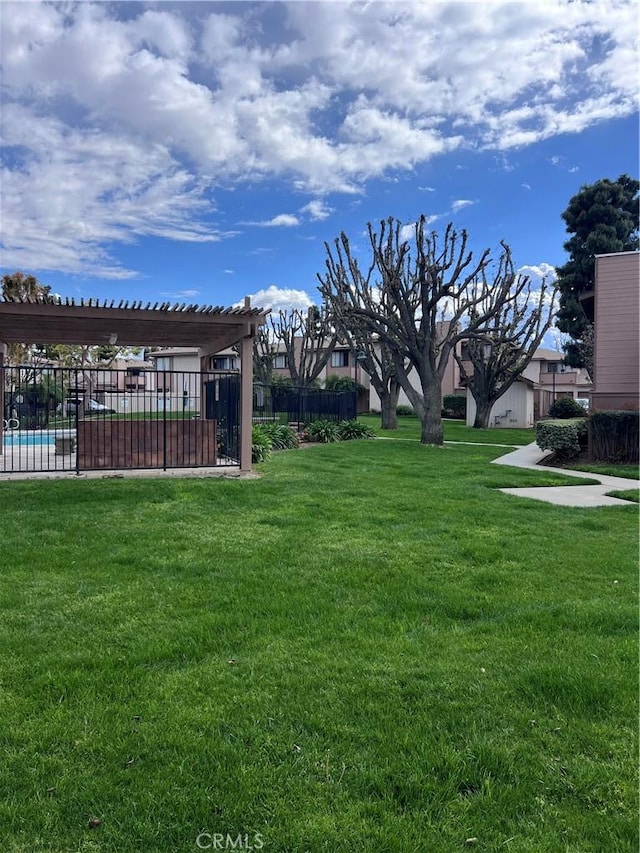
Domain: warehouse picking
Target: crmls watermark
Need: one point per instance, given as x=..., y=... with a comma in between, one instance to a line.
x=221, y=841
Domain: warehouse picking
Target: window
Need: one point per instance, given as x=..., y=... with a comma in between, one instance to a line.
x=557, y=367
x=340, y=358
x=163, y=363
x=280, y=362
x=224, y=362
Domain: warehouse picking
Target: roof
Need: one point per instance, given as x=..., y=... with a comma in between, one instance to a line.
x=543, y=354
x=50, y=319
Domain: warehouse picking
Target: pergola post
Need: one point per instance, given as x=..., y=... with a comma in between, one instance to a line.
x=246, y=397
x=210, y=329
x=3, y=352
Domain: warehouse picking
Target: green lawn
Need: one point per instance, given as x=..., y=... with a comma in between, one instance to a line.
x=631, y=472
x=409, y=427
x=627, y=495
x=369, y=648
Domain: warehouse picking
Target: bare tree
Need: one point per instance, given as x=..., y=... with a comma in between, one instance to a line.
x=376, y=360
x=416, y=285
x=501, y=348
x=306, y=339
x=263, y=356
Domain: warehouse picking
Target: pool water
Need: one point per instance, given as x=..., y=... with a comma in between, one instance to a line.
x=29, y=439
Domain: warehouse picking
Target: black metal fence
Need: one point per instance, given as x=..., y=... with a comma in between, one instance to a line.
x=301, y=405
x=91, y=419
x=83, y=419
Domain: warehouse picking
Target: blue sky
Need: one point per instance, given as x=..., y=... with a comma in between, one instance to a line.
x=202, y=152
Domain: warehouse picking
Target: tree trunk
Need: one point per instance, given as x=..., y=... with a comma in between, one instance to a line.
x=431, y=416
x=388, y=406
x=483, y=410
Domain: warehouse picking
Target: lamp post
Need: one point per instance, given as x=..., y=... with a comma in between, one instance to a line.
x=358, y=357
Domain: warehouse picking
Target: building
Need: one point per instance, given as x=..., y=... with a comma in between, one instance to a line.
x=614, y=308
x=545, y=379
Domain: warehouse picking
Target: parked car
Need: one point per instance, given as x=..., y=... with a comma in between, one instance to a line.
x=92, y=407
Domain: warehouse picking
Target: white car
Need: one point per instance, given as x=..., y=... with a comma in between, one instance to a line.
x=92, y=407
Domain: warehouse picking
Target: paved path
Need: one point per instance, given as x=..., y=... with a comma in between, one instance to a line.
x=530, y=455
x=585, y=496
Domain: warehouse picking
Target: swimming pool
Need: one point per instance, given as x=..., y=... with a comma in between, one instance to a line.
x=35, y=438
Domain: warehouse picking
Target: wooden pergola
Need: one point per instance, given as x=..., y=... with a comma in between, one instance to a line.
x=49, y=319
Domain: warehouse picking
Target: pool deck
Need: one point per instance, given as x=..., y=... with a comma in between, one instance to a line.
x=22, y=463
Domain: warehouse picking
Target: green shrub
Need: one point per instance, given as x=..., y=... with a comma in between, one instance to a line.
x=354, y=429
x=260, y=444
x=566, y=438
x=454, y=406
x=405, y=411
x=566, y=407
x=614, y=436
x=333, y=382
x=321, y=431
x=283, y=437
x=281, y=382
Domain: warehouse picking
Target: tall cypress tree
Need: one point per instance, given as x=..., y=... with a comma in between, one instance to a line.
x=602, y=218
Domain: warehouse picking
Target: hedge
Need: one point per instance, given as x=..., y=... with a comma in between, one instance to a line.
x=454, y=406
x=614, y=436
x=565, y=408
x=566, y=438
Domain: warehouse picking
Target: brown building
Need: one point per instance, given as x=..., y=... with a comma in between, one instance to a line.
x=616, y=316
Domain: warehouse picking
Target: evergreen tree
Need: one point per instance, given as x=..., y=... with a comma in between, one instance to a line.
x=601, y=218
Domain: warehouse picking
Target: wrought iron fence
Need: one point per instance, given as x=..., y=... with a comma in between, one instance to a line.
x=301, y=405
x=83, y=419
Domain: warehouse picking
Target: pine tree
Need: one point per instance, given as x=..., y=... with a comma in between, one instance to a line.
x=601, y=218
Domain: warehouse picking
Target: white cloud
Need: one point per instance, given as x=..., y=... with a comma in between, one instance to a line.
x=537, y=272
x=181, y=294
x=140, y=115
x=461, y=203
x=407, y=232
x=281, y=299
x=526, y=186
x=317, y=209
x=78, y=191
x=286, y=220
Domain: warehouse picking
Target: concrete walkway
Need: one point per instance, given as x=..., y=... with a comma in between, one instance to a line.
x=585, y=496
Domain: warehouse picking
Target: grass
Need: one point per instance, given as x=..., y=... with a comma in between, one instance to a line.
x=632, y=472
x=409, y=427
x=60, y=422
x=627, y=495
x=370, y=648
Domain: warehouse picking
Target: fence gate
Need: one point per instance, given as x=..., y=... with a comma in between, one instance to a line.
x=222, y=396
x=87, y=419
